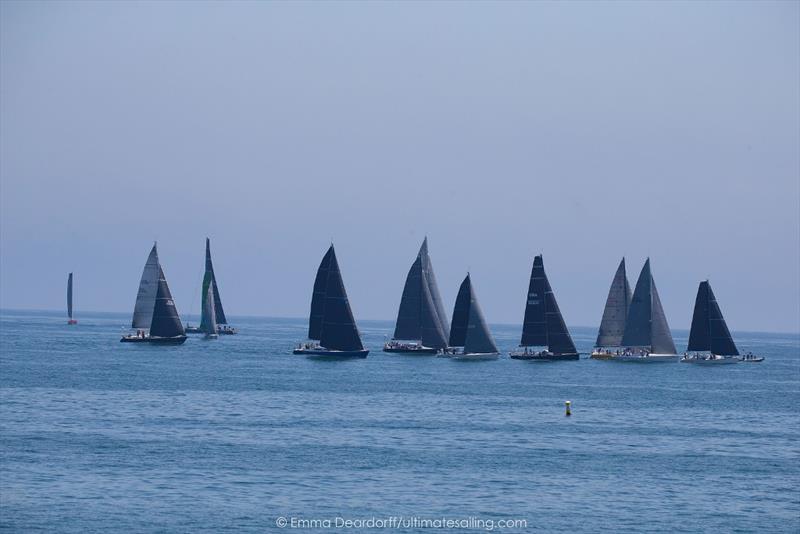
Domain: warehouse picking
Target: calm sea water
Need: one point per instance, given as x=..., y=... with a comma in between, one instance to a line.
x=96, y=435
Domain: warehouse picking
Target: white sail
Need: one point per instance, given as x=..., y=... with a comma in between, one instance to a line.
x=146, y=297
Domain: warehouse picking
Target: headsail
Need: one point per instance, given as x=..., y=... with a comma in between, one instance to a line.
x=421, y=313
x=166, y=322
x=148, y=287
x=318, y=297
x=458, y=328
x=69, y=296
x=208, y=315
x=339, y=331
x=709, y=330
x=220, y=313
x=479, y=339
x=646, y=325
x=612, y=326
x=558, y=339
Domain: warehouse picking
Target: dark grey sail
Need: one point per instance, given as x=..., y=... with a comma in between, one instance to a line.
x=69, y=296
x=208, y=314
x=339, y=331
x=646, y=325
x=558, y=339
x=146, y=296
x=709, y=330
x=419, y=316
x=612, y=326
x=318, y=297
x=479, y=339
x=218, y=311
x=458, y=328
x=166, y=322
x=534, y=325
x=432, y=333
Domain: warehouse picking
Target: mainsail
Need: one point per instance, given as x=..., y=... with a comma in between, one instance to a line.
x=220, y=313
x=69, y=296
x=458, y=328
x=318, y=297
x=166, y=322
x=208, y=315
x=338, y=329
x=709, y=330
x=479, y=339
x=146, y=297
x=543, y=324
x=612, y=326
x=421, y=314
x=646, y=325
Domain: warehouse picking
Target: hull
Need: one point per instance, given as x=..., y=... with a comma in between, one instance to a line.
x=719, y=360
x=72, y=321
x=475, y=356
x=227, y=331
x=176, y=340
x=649, y=358
x=211, y=336
x=751, y=359
x=543, y=357
x=603, y=355
x=325, y=354
x=410, y=349
x=193, y=330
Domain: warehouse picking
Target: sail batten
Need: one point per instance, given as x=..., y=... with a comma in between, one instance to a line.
x=69, y=296
x=146, y=296
x=612, y=325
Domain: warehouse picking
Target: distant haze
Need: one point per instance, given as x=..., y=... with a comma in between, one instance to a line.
x=586, y=131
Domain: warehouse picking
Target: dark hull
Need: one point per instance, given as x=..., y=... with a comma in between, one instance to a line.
x=421, y=351
x=545, y=357
x=72, y=321
x=177, y=340
x=331, y=354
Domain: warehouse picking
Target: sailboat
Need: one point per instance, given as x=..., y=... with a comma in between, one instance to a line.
x=544, y=325
x=208, y=316
x=469, y=329
x=70, y=320
x=222, y=322
x=710, y=341
x=154, y=316
x=612, y=326
x=332, y=330
x=646, y=337
x=422, y=326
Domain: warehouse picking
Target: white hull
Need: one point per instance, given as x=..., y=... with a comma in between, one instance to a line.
x=650, y=358
x=476, y=356
x=718, y=360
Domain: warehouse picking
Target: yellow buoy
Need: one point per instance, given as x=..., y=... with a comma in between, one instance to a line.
x=568, y=404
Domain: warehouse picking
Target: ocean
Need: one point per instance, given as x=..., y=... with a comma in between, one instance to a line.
x=239, y=434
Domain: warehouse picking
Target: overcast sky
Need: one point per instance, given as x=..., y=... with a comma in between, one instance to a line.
x=586, y=131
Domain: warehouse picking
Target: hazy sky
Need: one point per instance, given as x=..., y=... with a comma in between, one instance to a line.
x=586, y=131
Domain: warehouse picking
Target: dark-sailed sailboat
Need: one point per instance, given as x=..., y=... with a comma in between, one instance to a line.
x=710, y=341
x=469, y=329
x=332, y=330
x=208, y=315
x=70, y=319
x=422, y=326
x=222, y=321
x=612, y=326
x=647, y=337
x=154, y=316
x=544, y=325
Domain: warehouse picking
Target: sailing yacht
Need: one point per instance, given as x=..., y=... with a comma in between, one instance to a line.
x=543, y=325
x=154, y=316
x=222, y=322
x=710, y=341
x=70, y=319
x=332, y=331
x=646, y=338
x=469, y=329
x=612, y=326
x=422, y=326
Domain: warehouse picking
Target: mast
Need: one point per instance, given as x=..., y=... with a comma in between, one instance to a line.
x=69, y=296
x=219, y=312
x=458, y=328
x=479, y=339
x=165, y=322
x=612, y=326
x=646, y=325
x=146, y=296
x=339, y=331
x=318, y=297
